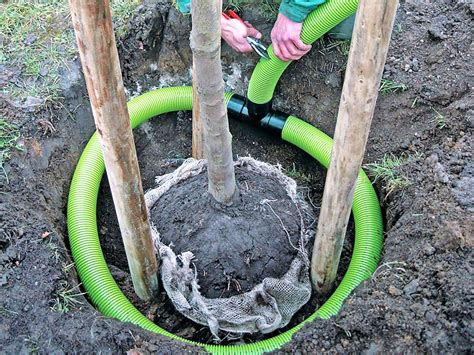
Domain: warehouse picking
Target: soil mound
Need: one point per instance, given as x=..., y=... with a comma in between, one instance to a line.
x=235, y=247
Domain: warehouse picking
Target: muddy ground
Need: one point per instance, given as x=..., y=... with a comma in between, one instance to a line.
x=419, y=299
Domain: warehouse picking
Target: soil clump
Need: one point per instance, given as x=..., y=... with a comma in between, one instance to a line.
x=235, y=247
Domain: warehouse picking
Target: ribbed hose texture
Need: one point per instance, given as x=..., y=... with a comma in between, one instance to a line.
x=82, y=224
x=268, y=71
x=92, y=268
x=365, y=209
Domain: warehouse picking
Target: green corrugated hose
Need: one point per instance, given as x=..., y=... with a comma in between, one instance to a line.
x=267, y=72
x=82, y=224
x=92, y=268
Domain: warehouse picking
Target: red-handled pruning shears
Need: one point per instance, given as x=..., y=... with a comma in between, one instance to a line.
x=255, y=43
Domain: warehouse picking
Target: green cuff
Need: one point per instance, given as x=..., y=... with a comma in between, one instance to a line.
x=298, y=10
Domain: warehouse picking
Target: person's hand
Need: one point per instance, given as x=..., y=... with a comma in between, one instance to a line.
x=234, y=32
x=286, y=41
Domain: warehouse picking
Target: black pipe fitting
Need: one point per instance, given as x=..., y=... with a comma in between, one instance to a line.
x=272, y=121
x=258, y=111
x=237, y=108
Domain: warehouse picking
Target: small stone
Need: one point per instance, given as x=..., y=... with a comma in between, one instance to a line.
x=432, y=159
x=153, y=348
x=30, y=39
x=333, y=80
x=12, y=253
x=26, y=308
x=427, y=293
x=437, y=29
x=44, y=71
x=419, y=309
x=429, y=249
x=411, y=287
x=373, y=349
x=33, y=101
x=3, y=280
x=430, y=316
x=440, y=174
x=464, y=187
x=438, y=266
x=394, y=291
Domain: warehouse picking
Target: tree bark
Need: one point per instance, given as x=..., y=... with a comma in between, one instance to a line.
x=198, y=135
x=96, y=41
x=206, y=47
x=370, y=41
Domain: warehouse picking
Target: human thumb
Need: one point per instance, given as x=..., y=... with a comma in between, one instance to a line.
x=252, y=32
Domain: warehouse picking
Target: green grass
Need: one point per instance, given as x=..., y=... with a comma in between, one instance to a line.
x=54, y=248
x=9, y=136
x=32, y=345
x=341, y=45
x=122, y=11
x=389, y=86
x=268, y=9
x=66, y=268
x=300, y=177
x=398, y=27
x=439, y=119
x=38, y=40
x=389, y=172
x=66, y=298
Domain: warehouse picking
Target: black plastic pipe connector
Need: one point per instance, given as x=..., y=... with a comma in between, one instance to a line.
x=273, y=121
x=237, y=108
x=258, y=111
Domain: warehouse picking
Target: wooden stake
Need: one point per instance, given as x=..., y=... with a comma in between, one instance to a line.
x=206, y=47
x=198, y=134
x=370, y=40
x=96, y=41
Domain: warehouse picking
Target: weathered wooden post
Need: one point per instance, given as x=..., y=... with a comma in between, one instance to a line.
x=370, y=40
x=206, y=47
x=96, y=41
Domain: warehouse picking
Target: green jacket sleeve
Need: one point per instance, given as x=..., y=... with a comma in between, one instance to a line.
x=297, y=10
x=184, y=6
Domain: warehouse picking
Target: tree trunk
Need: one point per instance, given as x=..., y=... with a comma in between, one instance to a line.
x=206, y=47
x=96, y=41
x=370, y=40
x=198, y=139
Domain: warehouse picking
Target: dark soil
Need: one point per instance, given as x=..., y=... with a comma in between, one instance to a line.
x=235, y=247
x=420, y=298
